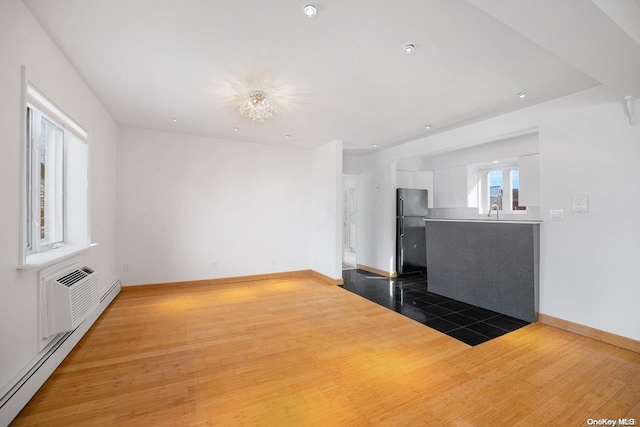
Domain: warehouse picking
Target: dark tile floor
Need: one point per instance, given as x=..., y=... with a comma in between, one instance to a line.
x=408, y=295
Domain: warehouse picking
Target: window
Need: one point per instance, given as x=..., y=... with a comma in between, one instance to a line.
x=499, y=187
x=56, y=160
x=496, y=188
x=45, y=162
x=515, y=186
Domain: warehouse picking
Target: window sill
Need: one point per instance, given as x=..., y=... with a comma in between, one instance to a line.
x=53, y=256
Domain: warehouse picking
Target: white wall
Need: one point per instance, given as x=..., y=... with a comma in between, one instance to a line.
x=193, y=207
x=588, y=273
x=453, y=178
x=349, y=213
x=353, y=165
x=450, y=188
x=376, y=206
x=404, y=179
x=326, y=210
x=24, y=41
x=507, y=148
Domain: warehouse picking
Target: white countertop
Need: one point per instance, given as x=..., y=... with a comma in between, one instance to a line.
x=492, y=221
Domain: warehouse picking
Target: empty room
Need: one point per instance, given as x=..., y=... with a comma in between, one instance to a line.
x=319, y=213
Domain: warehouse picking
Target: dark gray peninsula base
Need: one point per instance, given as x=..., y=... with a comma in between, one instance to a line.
x=490, y=264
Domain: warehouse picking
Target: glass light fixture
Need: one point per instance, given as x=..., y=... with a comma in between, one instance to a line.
x=408, y=48
x=522, y=94
x=257, y=106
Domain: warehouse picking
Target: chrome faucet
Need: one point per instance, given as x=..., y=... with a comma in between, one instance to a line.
x=496, y=206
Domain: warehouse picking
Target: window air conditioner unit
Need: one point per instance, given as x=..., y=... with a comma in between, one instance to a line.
x=70, y=299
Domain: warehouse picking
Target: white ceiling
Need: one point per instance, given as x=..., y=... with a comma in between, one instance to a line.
x=149, y=61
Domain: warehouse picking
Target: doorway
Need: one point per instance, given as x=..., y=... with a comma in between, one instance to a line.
x=349, y=229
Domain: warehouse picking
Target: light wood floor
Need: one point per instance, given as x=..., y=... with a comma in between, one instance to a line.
x=298, y=352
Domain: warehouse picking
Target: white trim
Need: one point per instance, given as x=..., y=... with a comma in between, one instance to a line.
x=24, y=385
x=45, y=259
x=22, y=232
x=507, y=183
x=33, y=93
x=41, y=101
x=37, y=118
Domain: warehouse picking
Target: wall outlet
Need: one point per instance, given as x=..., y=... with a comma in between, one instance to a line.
x=125, y=266
x=580, y=203
x=556, y=214
x=214, y=264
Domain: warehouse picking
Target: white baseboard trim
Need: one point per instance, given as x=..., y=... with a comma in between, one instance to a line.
x=29, y=380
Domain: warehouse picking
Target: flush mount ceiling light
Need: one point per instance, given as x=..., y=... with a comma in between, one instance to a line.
x=310, y=10
x=522, y=95
x=174, y=120
x=236, y=129
x=427, y=127
x=287, y=136
x=257, y=106
x=258, y=95
x=408, y=48
x=374, y=145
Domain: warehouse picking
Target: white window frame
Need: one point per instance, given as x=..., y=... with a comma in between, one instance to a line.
x=33, y=257
x=507, y=191
x=34, y=243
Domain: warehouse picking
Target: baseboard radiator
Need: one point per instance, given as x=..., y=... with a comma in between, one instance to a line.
x=72, y=307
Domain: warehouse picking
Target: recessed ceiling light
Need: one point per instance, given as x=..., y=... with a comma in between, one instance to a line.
x=287, y=136
x=374, y=145
x=174, y=120
x=522, y=95
x=310, y=10
x=236, y=129
x=427, y=126
x=494, y=162
x=408, y=48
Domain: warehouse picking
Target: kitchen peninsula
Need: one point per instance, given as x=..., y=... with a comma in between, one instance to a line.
x=493, y=264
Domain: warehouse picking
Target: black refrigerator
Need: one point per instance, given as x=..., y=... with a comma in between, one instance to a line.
x=411, y=209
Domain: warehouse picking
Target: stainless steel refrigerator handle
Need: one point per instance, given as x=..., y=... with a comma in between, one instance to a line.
x=401, y=213
x=401, y=227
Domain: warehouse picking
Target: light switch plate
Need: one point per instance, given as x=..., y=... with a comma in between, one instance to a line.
x=580, y=203
x=556, y=214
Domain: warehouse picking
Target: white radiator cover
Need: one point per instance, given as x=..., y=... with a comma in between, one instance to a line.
x=70, y=299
